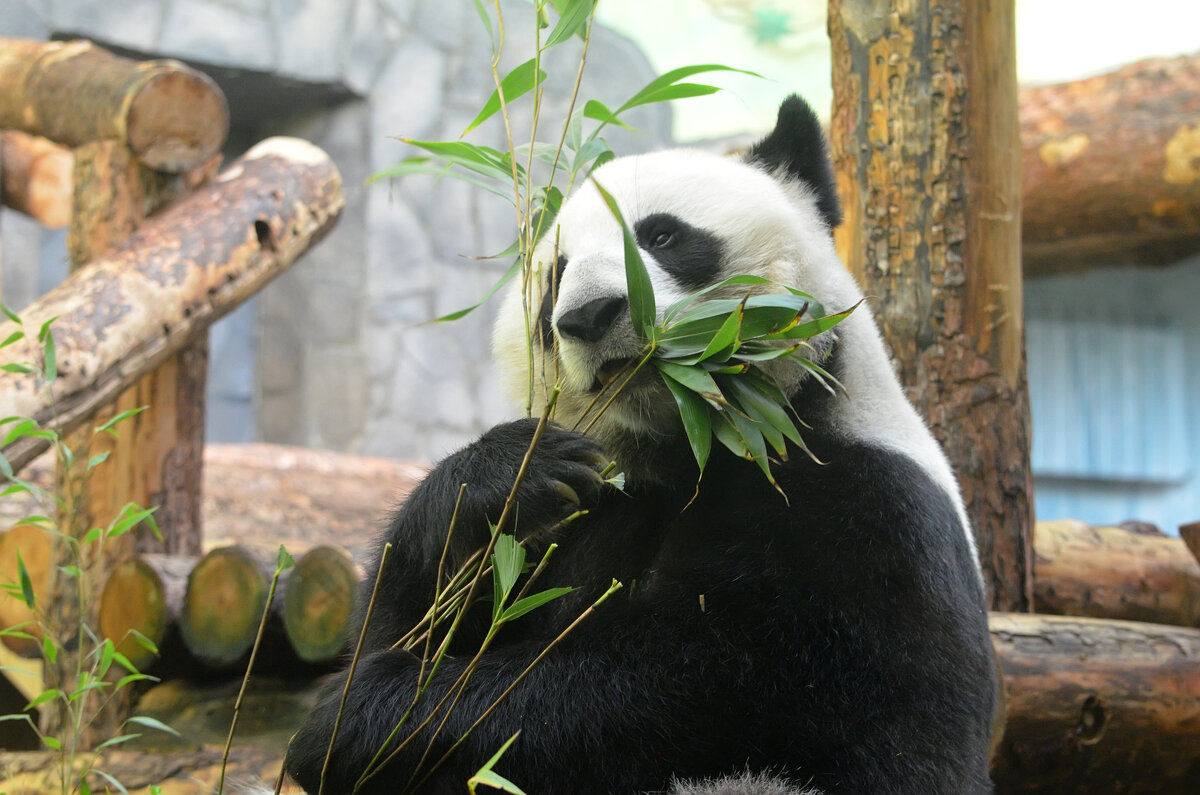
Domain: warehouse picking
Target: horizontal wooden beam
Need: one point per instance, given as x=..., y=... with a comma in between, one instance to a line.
x=1111, y=168
x=1097, y=705
x=173, y=117
x=134, y=306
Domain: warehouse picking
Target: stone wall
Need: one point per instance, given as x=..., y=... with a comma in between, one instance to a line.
x=338, y=352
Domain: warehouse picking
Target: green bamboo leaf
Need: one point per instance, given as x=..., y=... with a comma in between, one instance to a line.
x=598, y=111
x=654, y=90
x=124, y=415
x=728, y=435
x=16, y=336
x=756, y=444
x=499, y=185
x=766, y=403
x=131, y=678
x=23, y=578
x=44, y=331
x=123, y=661
x=508, y=561
x=51, y=743
x=124, y=738
x=128, y=518
x=144, y=641
x=523, y=606
x=49, y=650
x=508, y=276
x=107, y=650
x=9, y=313
x=485, y=775
x=486, y=20
x=151, y=723
x=696, y=420
x=97, y=460
x=49, y=358
x=637, y=278
x=20, y=369
x=521, y=80
x=694, y=378
x=575, y=15
x=117, y=785
x=43, y=697
x=474, y=157
x=283, y=560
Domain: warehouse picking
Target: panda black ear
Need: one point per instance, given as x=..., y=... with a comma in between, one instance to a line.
x=797, y=146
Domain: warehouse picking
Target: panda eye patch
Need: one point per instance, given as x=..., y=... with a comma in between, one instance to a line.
x=694, y=257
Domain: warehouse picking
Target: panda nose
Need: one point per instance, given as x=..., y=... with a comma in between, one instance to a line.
x=590, y=321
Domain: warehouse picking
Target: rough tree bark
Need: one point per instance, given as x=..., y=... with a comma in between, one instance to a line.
x=1112, y=168
x=132, y=308
x=1098, y=706
x=925, y=146
x=73, y=92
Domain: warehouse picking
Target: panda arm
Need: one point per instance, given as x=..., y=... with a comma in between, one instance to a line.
x=562, y=471
x=609, y=704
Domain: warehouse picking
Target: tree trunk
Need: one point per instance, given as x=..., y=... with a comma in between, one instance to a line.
x=1098, y=706
x=925, y=146
x=1108, y=572
x=36, y=177
x=181, y=271
x=1112, y=168
x=73, y=92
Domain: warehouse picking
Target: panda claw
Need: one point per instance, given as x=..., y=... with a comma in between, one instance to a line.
x=566, y=492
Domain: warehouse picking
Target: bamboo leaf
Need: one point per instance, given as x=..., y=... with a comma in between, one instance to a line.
x=151, y=723
x=532, y=602
x=695, y=379
x=49, y=357
x=696, y=420
x=27, y=594
x=641, y=291
x=283, y=560
x=575, y=15
x=20, y=369
x=521, y=80
x=499, y=185
x=124, y=738
x=16, y=336
x=598, y=111
x=656, y=89
x=8, y=313
x=124, y=415
x=43, y=697
x=508, y=276
x=485, y=775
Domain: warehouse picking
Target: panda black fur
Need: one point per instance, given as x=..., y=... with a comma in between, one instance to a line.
x=837, y=639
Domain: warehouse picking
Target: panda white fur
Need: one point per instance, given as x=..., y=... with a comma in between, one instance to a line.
x=836, y=640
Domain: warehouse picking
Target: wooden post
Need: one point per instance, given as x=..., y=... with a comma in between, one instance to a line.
x=925, y=147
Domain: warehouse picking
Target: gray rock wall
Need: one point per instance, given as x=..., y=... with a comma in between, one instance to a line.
x=338, y=352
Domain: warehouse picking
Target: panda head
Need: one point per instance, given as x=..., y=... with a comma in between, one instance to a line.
x=698, y=219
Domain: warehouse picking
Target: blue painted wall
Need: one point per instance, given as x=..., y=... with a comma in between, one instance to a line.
x=1114, y=383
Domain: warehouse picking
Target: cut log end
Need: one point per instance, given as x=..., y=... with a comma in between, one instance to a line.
x=177, y=120
x=318, y=603
x=223, y=605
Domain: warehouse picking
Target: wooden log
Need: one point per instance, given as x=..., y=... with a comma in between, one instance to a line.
x=188, y=266
x=1190, y=533
x=172, y=117
x=1109, y=572
x=36, y=548
x=36, y=177
x=143, y=593
x=1097, y=706
x=1111, y=168
x=223, y=605
x=318, y=602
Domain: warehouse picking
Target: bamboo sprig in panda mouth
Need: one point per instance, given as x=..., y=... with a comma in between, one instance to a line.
x=709, y=355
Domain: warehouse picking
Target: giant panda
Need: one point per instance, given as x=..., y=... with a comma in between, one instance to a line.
x=831, y=639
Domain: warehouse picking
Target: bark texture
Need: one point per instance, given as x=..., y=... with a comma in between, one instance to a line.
x=36, y=177
x=925, y=147
x=1112, y=168
x=171, y=116
x=184, y=269
x=1109, y=572
x=1098, y=706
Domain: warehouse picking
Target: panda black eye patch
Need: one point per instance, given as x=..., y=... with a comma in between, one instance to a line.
x=544, y=331
x=691, y=255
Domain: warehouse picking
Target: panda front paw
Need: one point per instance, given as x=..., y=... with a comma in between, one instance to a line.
x=563, y=474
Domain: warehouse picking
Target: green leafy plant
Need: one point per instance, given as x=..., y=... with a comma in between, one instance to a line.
x=93, y=671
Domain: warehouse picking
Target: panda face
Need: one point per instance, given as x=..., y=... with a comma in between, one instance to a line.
x=698, y=219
